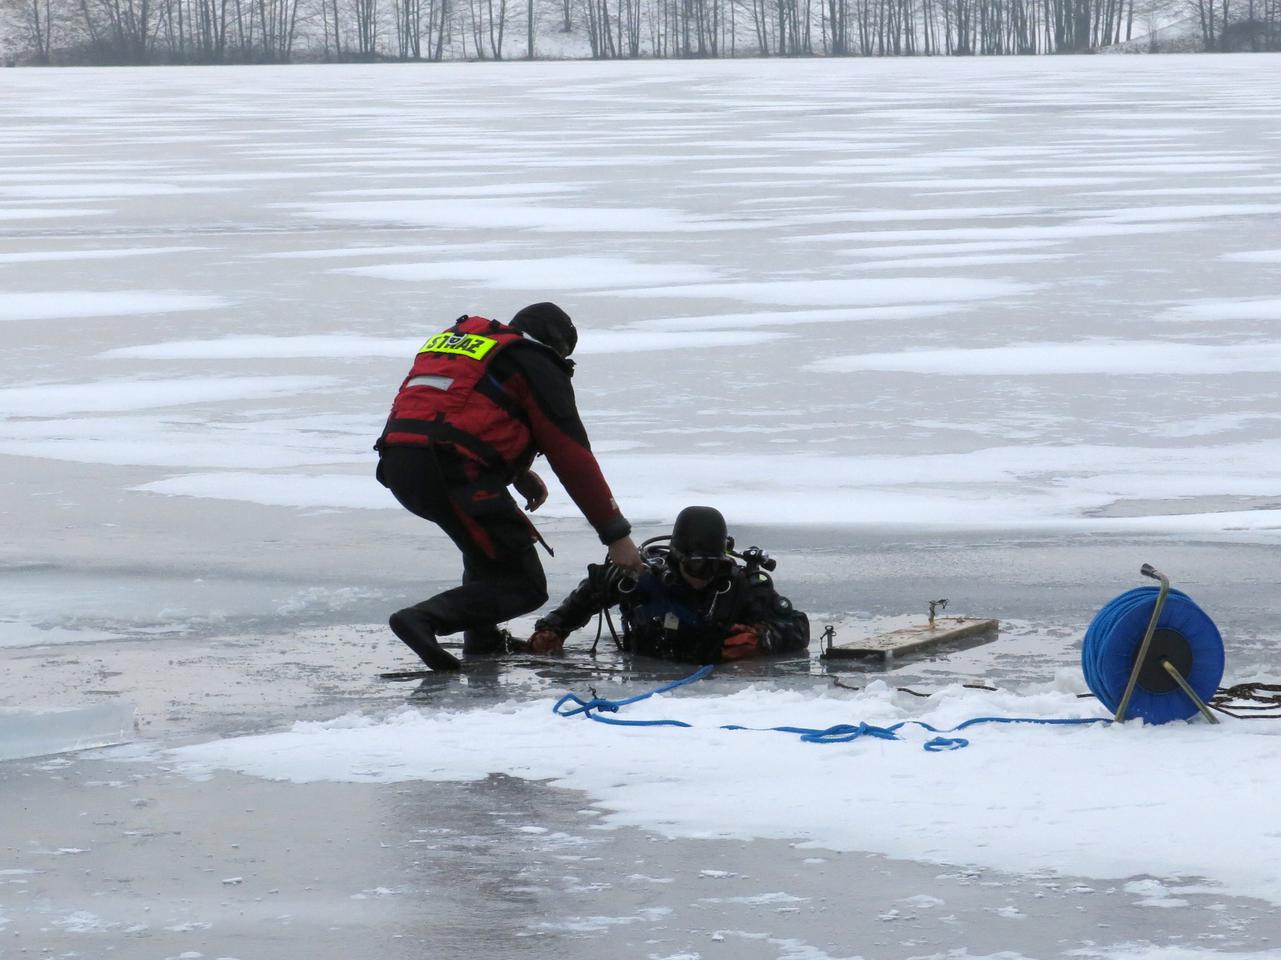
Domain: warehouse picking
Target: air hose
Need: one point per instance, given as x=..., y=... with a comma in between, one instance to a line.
x=1183, y=639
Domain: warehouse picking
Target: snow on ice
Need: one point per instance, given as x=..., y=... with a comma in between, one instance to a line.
x=1092, y=800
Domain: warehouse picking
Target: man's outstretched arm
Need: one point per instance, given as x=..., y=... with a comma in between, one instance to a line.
x=544, y=391
x=594, y=593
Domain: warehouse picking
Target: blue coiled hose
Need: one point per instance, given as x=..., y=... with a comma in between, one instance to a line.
x=1112, y=644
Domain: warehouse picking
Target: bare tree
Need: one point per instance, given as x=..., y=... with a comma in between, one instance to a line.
x=442, y=28
x=36, y=18
x=1212, y=16
x=497, y=26
x=416, y=27
x=220, y=31
x=600, y=34
x=835, y=27
x=124, y=28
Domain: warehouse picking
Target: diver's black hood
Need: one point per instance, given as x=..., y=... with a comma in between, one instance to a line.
x=699, y=532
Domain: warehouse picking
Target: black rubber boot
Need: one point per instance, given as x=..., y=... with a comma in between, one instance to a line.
x=416, y=632
x=485, y=642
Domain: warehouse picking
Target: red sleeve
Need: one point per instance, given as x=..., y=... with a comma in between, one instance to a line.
x=558, y=433
x=576, y=468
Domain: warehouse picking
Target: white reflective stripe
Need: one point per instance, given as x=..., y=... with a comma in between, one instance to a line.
x=440, y=383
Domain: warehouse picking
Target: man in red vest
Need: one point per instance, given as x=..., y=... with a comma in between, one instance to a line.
x=481, y=401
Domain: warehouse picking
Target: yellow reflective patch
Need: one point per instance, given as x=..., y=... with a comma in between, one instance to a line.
x=459, y=344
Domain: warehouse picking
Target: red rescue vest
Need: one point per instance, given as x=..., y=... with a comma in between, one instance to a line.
x=450, y=397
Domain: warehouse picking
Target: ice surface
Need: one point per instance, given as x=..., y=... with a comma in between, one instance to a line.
x=995, y=487
x=489, y=214
x=98, y=190
x=851, y=303
x=888, y=307
x=566, y=273
x=1254, y=256
x=47, y=213
x=14, y=633
x=119, y=395
x=1210, y=310
x=1084, y=800
x=1098, y=357
x=75, y=304
x=53, y=256
x=787, y=318
x=39, y=734
x=823, y=292
x=333, y=491
x=249, y=347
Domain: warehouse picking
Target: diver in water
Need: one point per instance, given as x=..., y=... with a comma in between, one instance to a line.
x=696, y=600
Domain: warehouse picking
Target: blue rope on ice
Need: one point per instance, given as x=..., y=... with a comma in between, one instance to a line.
x=845, y=732
x=1112, y=644
x=594, y=709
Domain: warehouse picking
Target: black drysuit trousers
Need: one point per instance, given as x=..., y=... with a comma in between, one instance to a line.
x=502, y=575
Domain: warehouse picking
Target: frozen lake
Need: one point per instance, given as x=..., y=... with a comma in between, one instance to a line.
x=999, y=330
x=999, y=294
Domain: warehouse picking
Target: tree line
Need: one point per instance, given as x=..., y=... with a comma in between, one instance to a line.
x=283, y=31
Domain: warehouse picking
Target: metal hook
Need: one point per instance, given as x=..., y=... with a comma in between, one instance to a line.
x=828, y=637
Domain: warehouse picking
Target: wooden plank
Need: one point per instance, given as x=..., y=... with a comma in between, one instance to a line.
x=913, y=639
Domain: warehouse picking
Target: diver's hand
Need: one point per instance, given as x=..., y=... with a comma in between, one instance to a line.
x=546, y=640
x=624, y=555
x=530, y=486
x=744, y=640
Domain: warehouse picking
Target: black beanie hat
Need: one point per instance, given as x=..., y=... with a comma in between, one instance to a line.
x=549, y=324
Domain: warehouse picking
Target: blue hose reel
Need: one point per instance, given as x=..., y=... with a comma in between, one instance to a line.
x=1153, y=653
